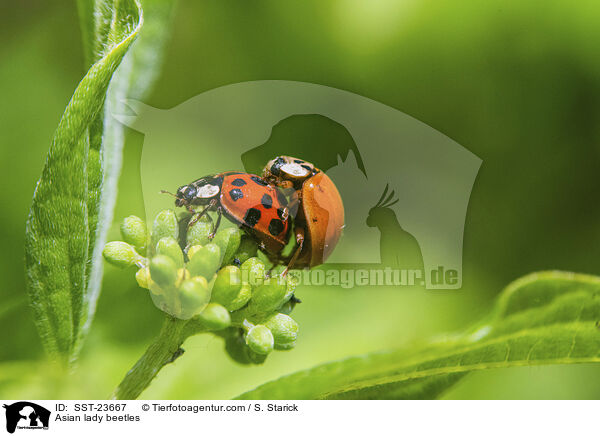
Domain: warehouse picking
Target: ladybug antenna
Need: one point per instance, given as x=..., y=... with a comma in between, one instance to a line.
x=162, y=191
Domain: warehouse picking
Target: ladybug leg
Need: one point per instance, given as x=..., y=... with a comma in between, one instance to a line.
x=275, y=181
x=300, y=242
x=199, y=215
x=216, y=226
x=292, y=207
x=285, y=184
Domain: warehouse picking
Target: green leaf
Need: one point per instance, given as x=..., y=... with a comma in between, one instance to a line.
x=58, y=233
x=133, y=79
x=543, y=318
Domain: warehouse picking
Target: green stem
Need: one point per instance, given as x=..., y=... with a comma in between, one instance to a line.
x=165, y=349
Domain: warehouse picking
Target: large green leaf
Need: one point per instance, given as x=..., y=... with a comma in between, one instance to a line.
x=133, y=79
x=74, y=199
x=543, y=318
x=58, y=235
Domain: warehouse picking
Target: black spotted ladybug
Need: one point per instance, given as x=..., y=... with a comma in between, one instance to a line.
x=245, y=199
x=319, y=221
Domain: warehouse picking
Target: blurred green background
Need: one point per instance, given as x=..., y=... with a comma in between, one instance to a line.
x=515, y=82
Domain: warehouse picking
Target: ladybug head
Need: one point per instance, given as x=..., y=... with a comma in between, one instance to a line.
x=185, y=195
x=289, y=168
x=199, y=192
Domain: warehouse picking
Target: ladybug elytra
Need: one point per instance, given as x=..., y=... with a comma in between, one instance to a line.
x=245, y=199
x=320, y=218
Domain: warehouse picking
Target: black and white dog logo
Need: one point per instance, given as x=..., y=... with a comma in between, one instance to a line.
x=26, y=415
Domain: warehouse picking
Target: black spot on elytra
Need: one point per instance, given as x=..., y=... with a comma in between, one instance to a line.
x=238, y=182
x=276, y=227
x=266, y=201
x=306, y=167
x=298, y=161
x=252, y=217
x=258, y=181
x=236, y=194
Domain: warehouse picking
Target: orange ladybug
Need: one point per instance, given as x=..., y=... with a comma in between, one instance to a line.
x=245, y=199
x=320, y=217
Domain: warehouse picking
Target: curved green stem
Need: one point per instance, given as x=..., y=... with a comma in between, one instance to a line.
x=165, y=349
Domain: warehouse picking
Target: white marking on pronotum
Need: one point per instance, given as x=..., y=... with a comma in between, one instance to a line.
x=208, y=191
x=295, y=169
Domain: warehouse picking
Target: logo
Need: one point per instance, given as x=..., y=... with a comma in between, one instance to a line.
x=26, y=415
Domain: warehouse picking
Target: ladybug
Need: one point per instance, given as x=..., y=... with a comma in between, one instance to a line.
x=245, y=199
x=320, y=217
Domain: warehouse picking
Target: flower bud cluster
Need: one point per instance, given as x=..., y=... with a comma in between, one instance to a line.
x=220, y=284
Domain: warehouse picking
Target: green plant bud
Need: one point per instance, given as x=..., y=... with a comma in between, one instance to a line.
x=182, y=274
x=198, y=233
x=242, y=297
x=287, y=307
x=135, y=232
x=143, y=278
x=158, y=298
x=202, y=280
x=215, y=317
x=235, y=345
x=284, y=330
x=121, y=254
x=163, y=270
x=277, y=270
x=194, y=297
x=260, y=339
x=285, y=347
x=238, y=316
x=170, y=247
x=228, y=241
x=157, y=290
x=193, y=250
x=211, y=281
x=253, y=271
x=227, y=285
x=205, y=261
x=263, y=258
x=255, y=358
x=246, y=250
x=165, y=224
x=291, y=285
x=268, y=297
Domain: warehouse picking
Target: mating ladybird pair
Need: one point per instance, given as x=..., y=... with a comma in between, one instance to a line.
x=258, y=205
